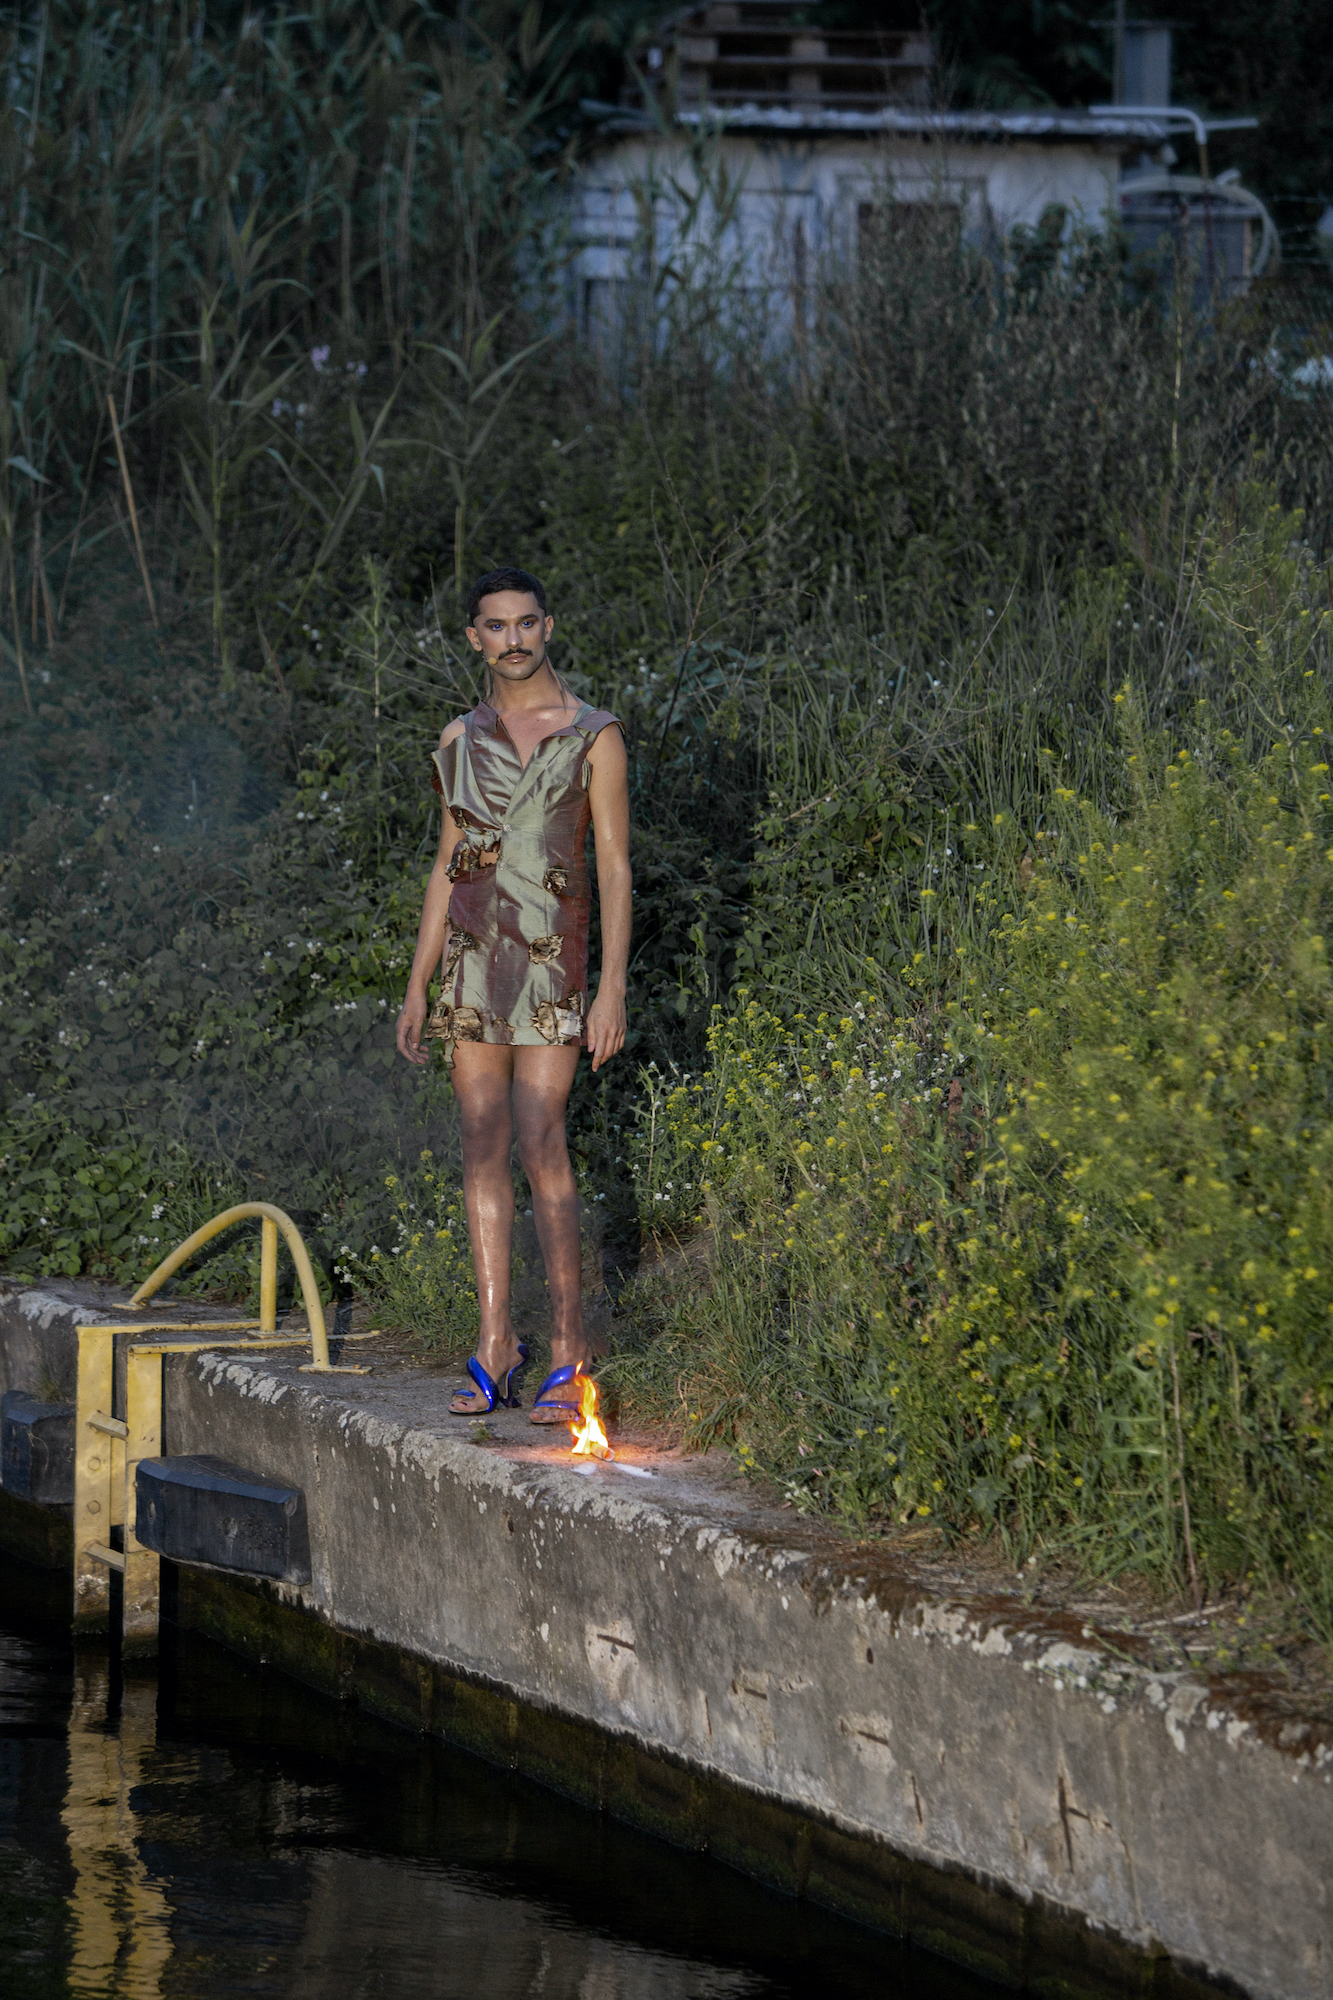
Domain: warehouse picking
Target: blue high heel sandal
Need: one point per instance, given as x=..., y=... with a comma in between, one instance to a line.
x=557, y=1379
x=510, y=1382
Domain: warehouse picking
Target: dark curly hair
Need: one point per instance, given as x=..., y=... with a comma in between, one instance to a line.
x=503, y=579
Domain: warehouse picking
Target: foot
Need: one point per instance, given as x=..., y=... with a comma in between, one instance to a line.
x=563, y=1352
x=498, y=1355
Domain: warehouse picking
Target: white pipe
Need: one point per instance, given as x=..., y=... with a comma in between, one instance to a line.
x=1200, y=127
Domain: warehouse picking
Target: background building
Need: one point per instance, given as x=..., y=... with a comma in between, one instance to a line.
x=777, y=144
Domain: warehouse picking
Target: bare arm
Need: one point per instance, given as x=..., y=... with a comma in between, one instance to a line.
x=608, y=795
x=432, y=934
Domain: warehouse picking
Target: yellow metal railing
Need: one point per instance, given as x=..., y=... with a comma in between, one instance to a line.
x=273, y=1220
x=108, y=1448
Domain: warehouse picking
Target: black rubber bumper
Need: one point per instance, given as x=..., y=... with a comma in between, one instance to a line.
x=205, y=1510
x=36, y=1449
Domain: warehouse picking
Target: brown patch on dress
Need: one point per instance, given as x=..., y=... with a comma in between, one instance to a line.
x=545, y=950
x=546, y=1021
x=468, y=1024
x=556, y=880
x=560, y=1021
x=569, y=1018
x=459, y=942
x=450, y=1025
x=502, y=1032
x=479, y=848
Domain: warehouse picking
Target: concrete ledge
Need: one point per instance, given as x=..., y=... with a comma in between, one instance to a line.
x=1023, y=1943
x=1001, y=1784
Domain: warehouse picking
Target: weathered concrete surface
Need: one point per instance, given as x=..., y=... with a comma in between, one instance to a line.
x=1003, y=1784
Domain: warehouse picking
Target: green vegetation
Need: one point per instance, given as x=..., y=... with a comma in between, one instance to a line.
x=1030, y=1224
x=974, y=656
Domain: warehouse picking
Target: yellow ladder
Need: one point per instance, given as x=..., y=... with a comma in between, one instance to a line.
x=108, y=1449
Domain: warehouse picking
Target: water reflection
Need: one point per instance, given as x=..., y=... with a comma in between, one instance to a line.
x=440, y=1931
x=216, y=1831
x=121, y=1920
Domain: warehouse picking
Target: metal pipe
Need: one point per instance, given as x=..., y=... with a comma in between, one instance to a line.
x=1200, y=127
x=268, y=1275
x=314, y=1310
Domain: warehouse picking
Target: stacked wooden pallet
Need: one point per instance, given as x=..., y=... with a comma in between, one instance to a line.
x=737, y=52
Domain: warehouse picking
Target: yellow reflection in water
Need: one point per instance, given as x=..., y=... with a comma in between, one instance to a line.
x=121, y=1919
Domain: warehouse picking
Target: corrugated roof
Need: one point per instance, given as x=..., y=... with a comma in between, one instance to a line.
x=1064, y=126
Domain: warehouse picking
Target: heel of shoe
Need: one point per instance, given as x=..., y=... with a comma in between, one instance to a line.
x=514, y=1383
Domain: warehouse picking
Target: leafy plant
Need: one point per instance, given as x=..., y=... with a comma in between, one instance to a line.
x=423, y=1280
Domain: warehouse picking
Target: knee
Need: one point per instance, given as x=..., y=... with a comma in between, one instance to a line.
x=542, y=1151
x=486, y=1132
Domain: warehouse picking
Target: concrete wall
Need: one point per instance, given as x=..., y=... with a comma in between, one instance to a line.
x=1005, y=1785
x=800, y=196
x=1021, y=1754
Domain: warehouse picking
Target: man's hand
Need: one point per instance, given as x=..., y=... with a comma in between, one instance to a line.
x=606, y=1028
x=411, y=1021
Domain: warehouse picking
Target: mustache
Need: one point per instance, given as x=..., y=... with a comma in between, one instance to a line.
x=517, y=653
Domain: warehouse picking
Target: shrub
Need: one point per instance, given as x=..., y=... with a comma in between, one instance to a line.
x=111, y=1204
x=1056, y=1251
x=423, y=1282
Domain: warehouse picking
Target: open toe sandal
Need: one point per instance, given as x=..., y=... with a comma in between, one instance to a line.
x=559, y=1378
x=504, y=1391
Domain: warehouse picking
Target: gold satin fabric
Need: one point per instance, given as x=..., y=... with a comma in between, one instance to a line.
x=516, y=964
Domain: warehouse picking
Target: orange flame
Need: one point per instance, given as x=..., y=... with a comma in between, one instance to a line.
x=590, y=1440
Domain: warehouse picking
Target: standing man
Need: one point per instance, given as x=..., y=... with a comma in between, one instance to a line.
x=506, y=914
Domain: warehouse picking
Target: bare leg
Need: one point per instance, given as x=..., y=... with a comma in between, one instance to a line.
x=481, y=1079
x=542, y=1079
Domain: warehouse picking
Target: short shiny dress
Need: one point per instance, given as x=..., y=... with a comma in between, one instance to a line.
x=516, y=964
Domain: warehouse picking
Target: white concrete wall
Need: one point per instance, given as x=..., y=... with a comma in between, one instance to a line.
x=798, y=195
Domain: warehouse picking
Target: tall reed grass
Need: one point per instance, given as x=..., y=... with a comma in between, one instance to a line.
x=204, y=227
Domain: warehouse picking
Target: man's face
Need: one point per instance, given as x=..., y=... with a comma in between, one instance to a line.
x=511, y=634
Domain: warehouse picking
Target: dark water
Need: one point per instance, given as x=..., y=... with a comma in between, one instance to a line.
x=217, y=1829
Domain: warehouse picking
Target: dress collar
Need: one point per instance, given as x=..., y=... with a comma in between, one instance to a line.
x=493, y=718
